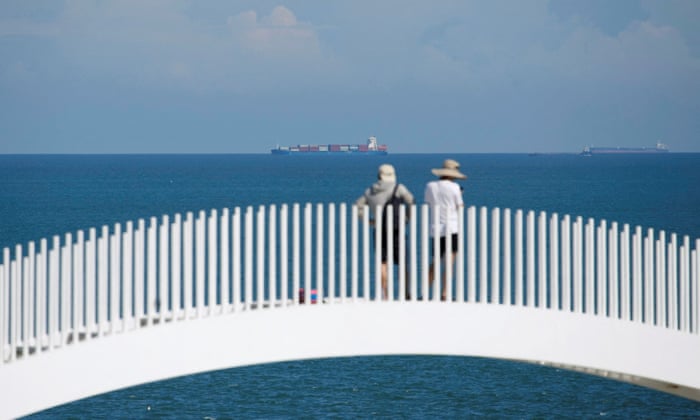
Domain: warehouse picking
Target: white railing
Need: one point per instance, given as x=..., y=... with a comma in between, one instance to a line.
x=173, y=269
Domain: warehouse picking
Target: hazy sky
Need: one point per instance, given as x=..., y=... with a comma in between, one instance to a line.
x=191, y=76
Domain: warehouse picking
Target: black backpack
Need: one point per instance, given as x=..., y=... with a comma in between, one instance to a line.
x=395, y=201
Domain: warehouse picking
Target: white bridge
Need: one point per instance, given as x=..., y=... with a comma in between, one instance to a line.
x=94, y=312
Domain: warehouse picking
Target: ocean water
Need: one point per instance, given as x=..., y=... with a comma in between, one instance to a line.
x=46, y=195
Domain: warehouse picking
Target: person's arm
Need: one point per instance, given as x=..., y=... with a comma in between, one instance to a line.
x=460, y=200
x=360, y=203
x=407, y=198
x=428, y=196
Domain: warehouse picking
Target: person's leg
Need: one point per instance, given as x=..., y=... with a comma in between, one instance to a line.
x=444, y=274
x=384, y=277
x=443, y=290
x=407, y=282
x=431, y=269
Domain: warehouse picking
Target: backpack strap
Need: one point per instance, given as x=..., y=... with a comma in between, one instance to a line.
x=393, y=194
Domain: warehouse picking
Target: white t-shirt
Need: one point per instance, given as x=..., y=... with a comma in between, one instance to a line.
x=447, y=195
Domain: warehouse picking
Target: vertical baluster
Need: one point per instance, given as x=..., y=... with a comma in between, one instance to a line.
x=495, y=256
x=127, y=276
x=260, y=258
x=90, y=285
x=507, y=292
x=378, y=244
x=66, y=275
x=343, y=241
x=6, y=343
x=355, y=260
x=319, y=252
x=530, y=289
x=54, y=279
x=212, y=272
x=661, y=299
x=519, y=253
x=694, y=284
x=199, y=263
x=356, y=251
x=115, y=279
x=566, y=245
x=15, y=272
x=685, y=283
x=139, y=271
x=272, y=256
x=554, y=245
x=542, y=286
x=672, y=283
x=102, y=280
x=224, y=261
x=331, y=253
x=175, y=295
x=23, y=314
x=187, y=264
x=448, y=262
x=613, y=270
x=163, y=269
x=435, y=243
x=413, y=241
x=354, y=243
x=6, y=308
x=29, y=298
x=284, y=254
x=471, y=254
x=425, y=241
x=483, y=255
x=5, y=303
x=248, y=258
x=307, y=253
x=599, y=304
x=365, y=254
x=461, y=279
x=577, y=250
x=402, y=253
x=110, y=319
x=637, y=274
x=3, y=310
x=590, y=267
x=78, y=285
x=151, y=272
x=236, y=229
x=625, y=272
x=601, y=278
x=296, y=252
x=649, y=277
x=42, y=275
x=389, y=245
x=12, y=305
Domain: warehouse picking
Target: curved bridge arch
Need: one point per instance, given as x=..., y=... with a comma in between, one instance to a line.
x=645, y=333
x=612, y=348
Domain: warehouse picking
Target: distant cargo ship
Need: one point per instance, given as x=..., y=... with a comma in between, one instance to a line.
x=371, y=148
x=589, y=150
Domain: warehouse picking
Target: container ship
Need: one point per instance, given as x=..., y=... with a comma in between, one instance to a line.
x=370, y=148
x=590, y=150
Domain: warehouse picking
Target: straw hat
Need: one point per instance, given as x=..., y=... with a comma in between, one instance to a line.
x=450, y=168
x=387, y=173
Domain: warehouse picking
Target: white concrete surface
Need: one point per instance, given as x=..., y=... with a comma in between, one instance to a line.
x=642, y=354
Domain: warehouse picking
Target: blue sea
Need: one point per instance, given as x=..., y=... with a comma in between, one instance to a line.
x=46, y=195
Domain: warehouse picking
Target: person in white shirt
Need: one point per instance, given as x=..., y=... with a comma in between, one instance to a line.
x=445, y=194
